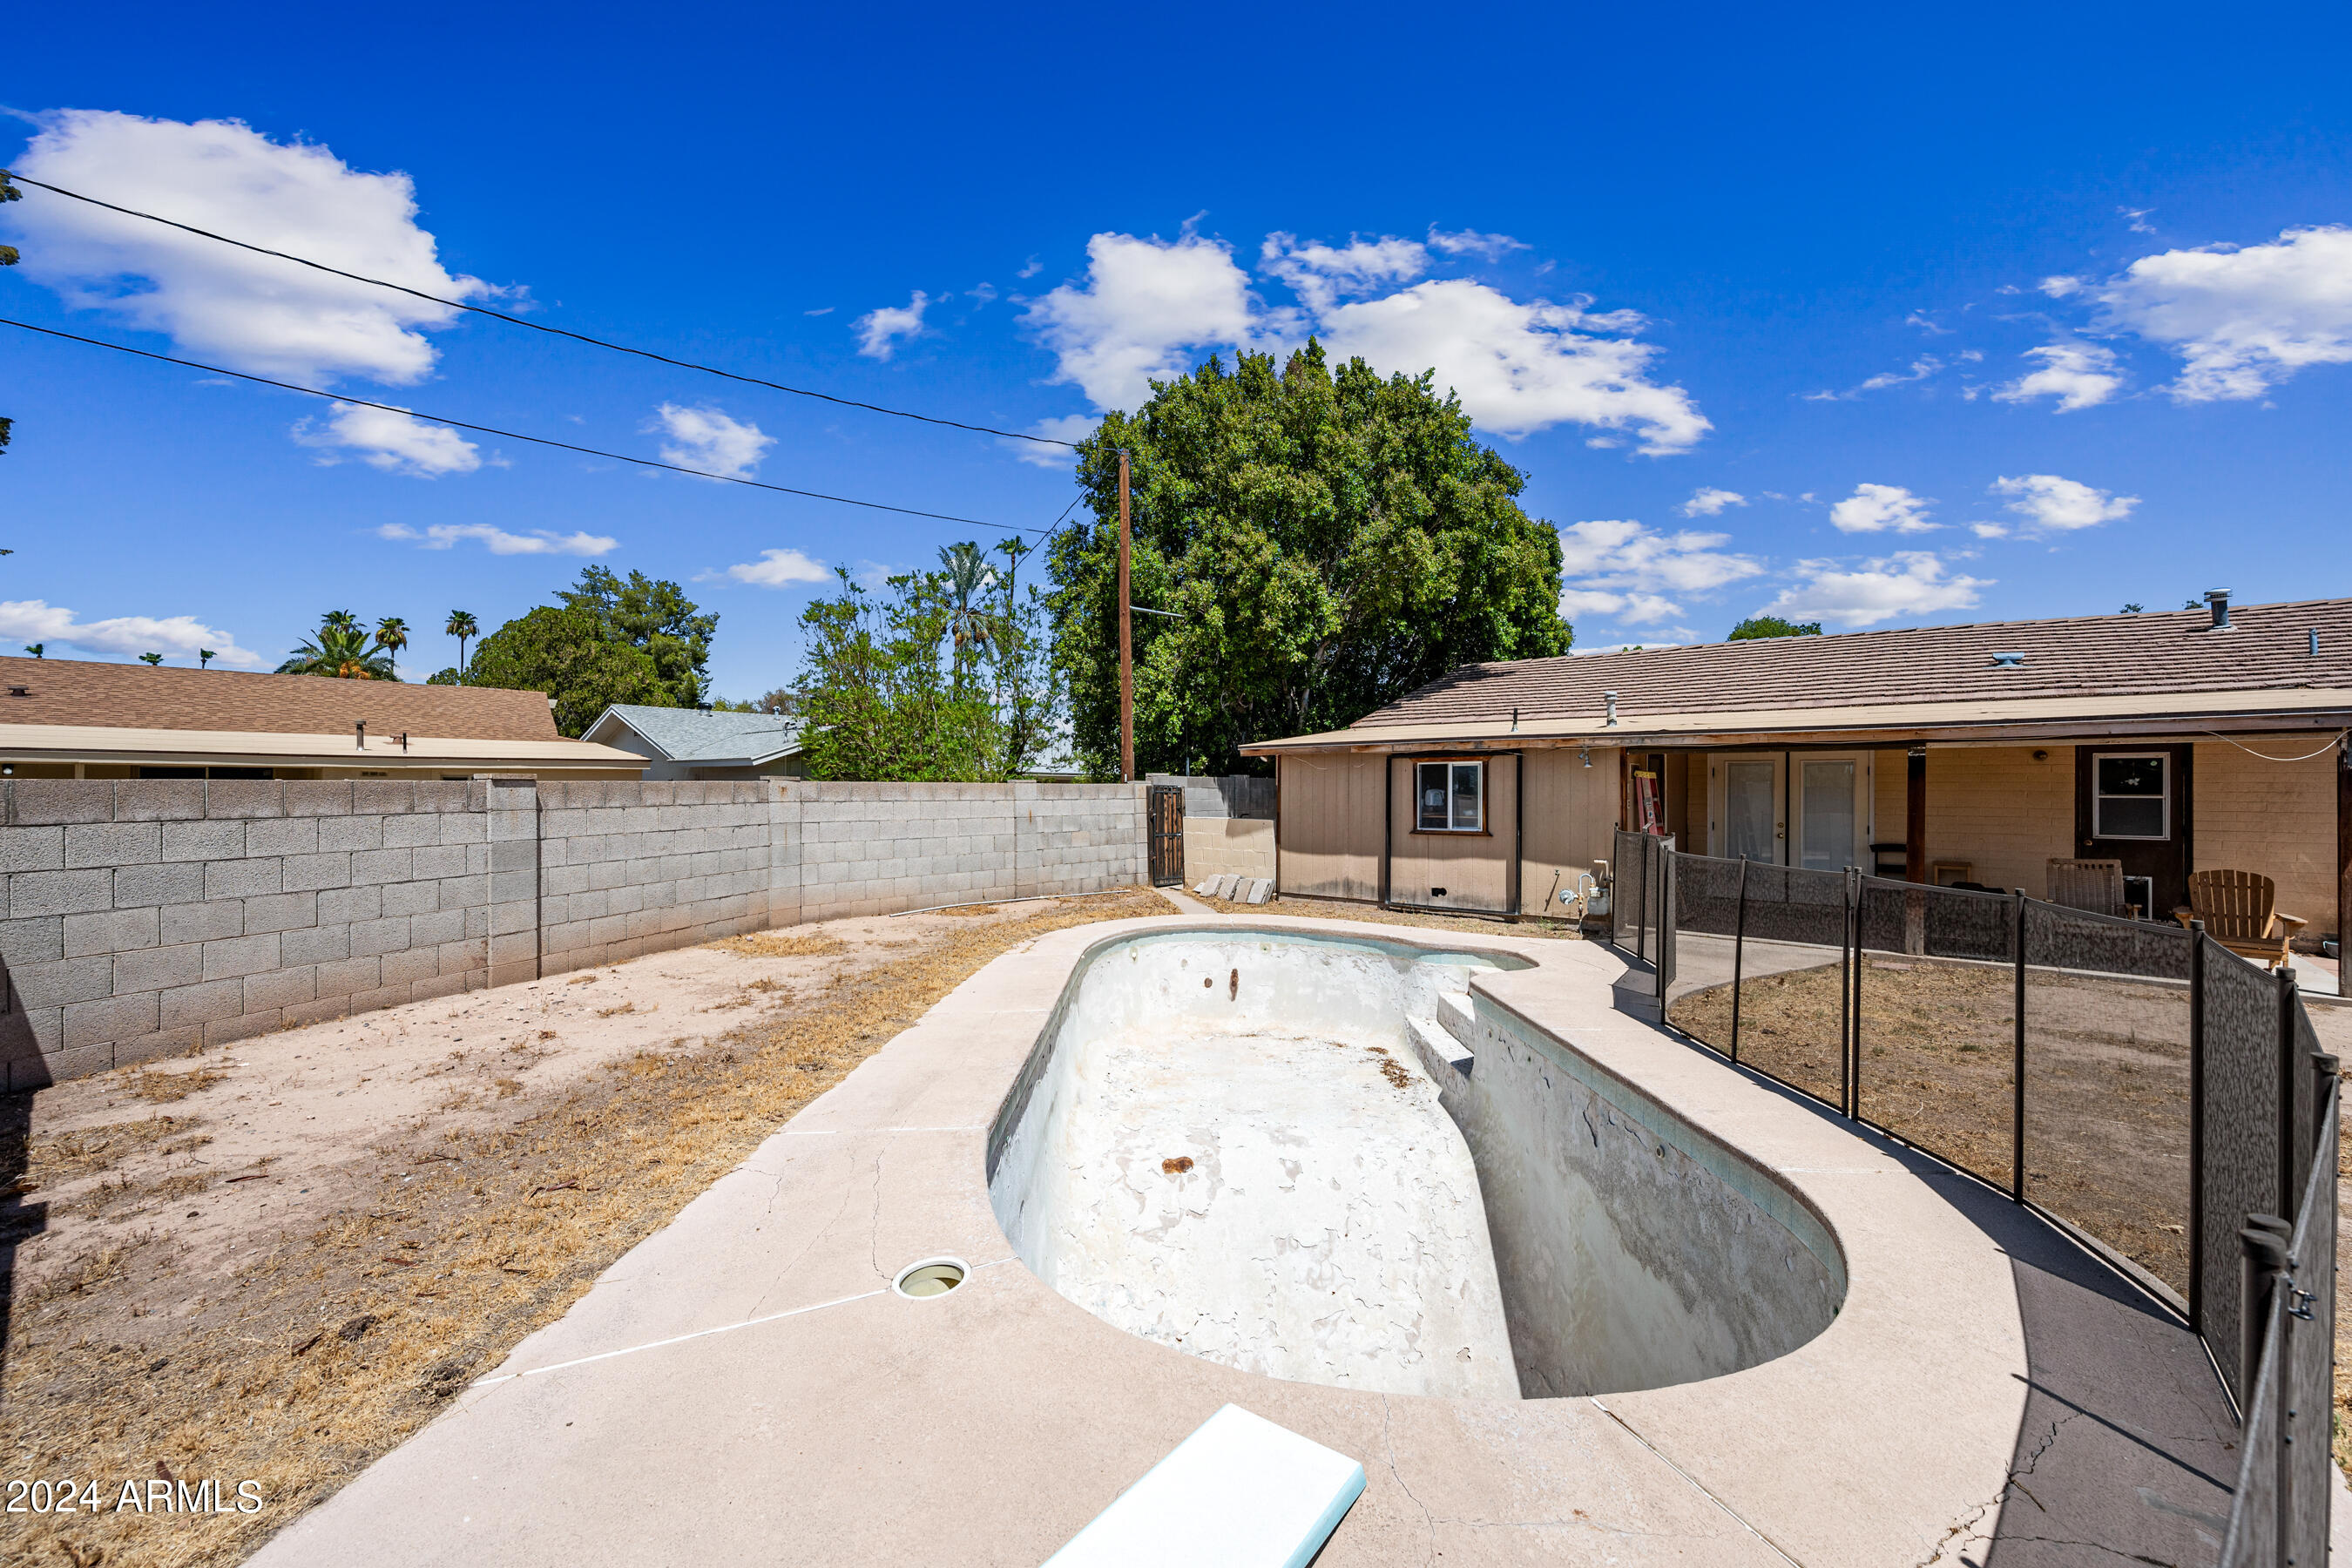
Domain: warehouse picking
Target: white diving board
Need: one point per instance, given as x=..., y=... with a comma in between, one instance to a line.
x=1240, y=1492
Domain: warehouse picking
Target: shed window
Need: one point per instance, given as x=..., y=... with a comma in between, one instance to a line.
x=1452, y=797
x=2130, y=795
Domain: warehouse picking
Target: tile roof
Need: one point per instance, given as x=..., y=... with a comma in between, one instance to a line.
x=2267, y=648
x=694, y=735
x=72, y=692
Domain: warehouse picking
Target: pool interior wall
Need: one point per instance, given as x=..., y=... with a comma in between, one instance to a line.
x=1529, y=1226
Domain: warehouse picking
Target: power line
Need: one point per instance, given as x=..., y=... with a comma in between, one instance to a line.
x=515, y=434
x=541, y=326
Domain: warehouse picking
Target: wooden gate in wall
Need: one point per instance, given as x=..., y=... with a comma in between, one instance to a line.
x=1164, y=833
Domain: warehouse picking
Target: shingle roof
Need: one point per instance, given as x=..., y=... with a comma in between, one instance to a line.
x=712, y=737
x=2267, y=647
x=73, y=691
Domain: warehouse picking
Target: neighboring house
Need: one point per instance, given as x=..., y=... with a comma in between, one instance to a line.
x=704, y=744
x=2174, y=743
x=77, y=718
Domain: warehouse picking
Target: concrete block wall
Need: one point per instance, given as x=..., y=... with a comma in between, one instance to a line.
x=144, y=917
x=140, y=918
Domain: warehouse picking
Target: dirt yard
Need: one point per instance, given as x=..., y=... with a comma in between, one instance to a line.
x=270, y=1263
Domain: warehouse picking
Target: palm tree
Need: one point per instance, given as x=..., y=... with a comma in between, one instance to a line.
x=204, y=658
x=150, y=659
x=392, y=636
x=341, y=649
x=461, y=627
x=969, y=575
x=37, y=649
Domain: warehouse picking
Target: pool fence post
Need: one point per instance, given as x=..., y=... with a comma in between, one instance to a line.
x=1849, y=1026
x=1666, y=918
x=2289, y=1143
x=2197, y=1127
x=2017, y=1056
x=1738, y=947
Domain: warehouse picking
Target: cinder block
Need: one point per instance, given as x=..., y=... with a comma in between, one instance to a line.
x=383, y=796
x=58, y=892
x=111, y=1021
x=319, y=797
x=348, y=833
x=37, y=801
x=156, y=1045
x=429, y=862
x=408, y=831
x=114, y=930
x=441, y=797
x=325, y=1010
x=401, y=899
x=460, y=958
x=371, y=937
x=245, y=798
x=440, y=926
x=158, y=800
x=241, y=1028
x=315, y=944
x=40, y=940
x=349, y=976
x=436, y=985
x=307, y=873
x=207, y=840
x=240, y=955
x=464, y=893
x=280, y=912
x=157, y=969
x=280, y=836
x=32, y=849
x=379, y=865
x=197, y=1005
x=241, y=878
x=281, y=988
x=341, y=906
x=406, y=968
x=64, y=981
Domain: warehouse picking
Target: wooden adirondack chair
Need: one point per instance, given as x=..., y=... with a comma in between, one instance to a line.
x=2239, y=913
x=2096, y=885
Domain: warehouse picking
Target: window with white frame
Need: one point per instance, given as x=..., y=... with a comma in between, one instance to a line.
x=1450, y=797
x=2131, y=795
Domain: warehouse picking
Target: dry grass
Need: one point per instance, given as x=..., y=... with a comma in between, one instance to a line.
x=783, y=944
x=332, y=1346
x=162, y=1088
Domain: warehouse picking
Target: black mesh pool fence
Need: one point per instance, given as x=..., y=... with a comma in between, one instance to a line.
x=2159, y=1096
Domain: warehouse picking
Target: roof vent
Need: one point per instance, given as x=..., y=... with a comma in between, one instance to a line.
x=1609, y=700
x=27, y=691
x=2009, y=661
x=2219, y=601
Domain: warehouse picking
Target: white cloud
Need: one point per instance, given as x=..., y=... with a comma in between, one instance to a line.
x=1320, y=274
x=1907, y=582
x=1921, y=369
x=775, y=568
x=1880, y=509
x=1146, y=303
x=1989, y=530
x=2079, y=375
x=1470, y=242
x=1064, y=428
x=1520, y=368
x=878, y=332
x=2138, y=218
x=2047, y=502
x=2061, y=285
x=708, y=439
x=1708, y=501
x=215, y=301
x=1618, y=569
x=2240, y=320
x=35, y=621
x=398, y=443
x=537, y=541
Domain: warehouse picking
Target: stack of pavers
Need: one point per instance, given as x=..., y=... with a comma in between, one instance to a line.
x=1237, y=889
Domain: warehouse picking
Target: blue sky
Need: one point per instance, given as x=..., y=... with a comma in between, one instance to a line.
x=2003, y=313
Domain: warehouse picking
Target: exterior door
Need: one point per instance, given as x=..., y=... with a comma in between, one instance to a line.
x=1831, y=810
x=1164, y=831
x=2132, y=804
x=1747, y=806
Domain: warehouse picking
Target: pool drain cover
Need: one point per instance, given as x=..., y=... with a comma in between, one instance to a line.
x=931, y=1277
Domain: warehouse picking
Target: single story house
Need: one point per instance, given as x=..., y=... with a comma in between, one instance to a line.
x=76, y=719
x=704, y=744
x=2210, y=738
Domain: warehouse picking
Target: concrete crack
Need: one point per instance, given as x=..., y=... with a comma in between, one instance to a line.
x=1388, y=1448
x=874, y=1231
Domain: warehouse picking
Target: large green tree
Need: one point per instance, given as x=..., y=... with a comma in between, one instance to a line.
x=1772, y=627
x=657, y=617
x=1327, y=543
x=568, y=652
x=882, y=692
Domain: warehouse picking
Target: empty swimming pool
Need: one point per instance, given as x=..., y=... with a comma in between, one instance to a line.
x=1324, y=1158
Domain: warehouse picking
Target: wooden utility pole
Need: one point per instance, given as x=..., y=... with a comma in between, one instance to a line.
x=1126, y=638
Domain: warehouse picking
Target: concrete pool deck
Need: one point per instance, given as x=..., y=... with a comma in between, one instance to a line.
x=743, y=1386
